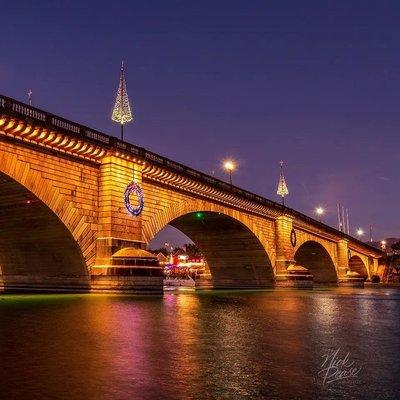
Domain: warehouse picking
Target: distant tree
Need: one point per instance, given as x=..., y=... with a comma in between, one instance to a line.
x=192, y=250
x=396, y=246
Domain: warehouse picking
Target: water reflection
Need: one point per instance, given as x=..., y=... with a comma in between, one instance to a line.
x=210, y=345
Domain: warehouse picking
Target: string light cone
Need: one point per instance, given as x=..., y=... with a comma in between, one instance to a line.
x=122, y=110
x=282, y=187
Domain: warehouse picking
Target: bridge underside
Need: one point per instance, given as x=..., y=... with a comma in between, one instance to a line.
x=235, y=256
x=357, y=265
x=36, y=249
x=317, y=260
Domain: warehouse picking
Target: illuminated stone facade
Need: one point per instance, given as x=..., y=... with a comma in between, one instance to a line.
x=63, y=213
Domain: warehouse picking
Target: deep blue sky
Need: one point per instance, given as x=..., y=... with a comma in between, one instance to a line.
x=315, y=83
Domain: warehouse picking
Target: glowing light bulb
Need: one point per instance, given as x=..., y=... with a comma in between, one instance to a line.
x=319, y=211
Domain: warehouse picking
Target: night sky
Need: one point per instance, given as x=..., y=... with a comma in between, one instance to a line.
x=314, y=83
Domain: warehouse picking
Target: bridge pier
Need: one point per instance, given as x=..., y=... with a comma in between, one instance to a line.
x=296, y=276
x=346, y=277
x=44, y=284
x=204, y=282
x=288, y=274
x=122, y=265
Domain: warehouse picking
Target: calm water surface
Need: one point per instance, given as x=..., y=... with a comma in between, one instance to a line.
x=211, y=345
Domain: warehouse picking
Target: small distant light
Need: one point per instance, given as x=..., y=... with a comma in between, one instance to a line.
x=199, y=215
x=319, y=211
x=28, y=202
x=383, y=242
x=360, y=232
x=229, y=165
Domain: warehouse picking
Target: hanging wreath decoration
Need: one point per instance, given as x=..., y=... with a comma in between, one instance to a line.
x=134, y=189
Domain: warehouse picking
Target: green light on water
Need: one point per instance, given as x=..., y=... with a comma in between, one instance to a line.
x=199, y=215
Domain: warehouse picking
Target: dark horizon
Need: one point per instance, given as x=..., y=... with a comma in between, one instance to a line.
x=314, y=85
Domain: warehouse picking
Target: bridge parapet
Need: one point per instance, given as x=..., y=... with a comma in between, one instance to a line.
x=113, y=164
x=17, y=115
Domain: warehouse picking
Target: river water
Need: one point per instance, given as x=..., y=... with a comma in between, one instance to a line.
x=207, y=345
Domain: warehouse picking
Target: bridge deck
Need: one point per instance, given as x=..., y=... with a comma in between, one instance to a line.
x=21, y=111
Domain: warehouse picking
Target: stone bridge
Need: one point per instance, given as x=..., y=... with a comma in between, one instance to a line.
x=63, y=216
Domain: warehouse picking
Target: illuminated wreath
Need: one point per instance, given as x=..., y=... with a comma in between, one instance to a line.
x=134, y=188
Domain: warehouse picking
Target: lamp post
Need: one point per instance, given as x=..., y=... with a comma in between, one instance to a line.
x=30, y=96
x=320, y=211
x=229, y=166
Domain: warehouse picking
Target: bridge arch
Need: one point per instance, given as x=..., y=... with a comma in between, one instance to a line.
x=316, y=258
x=35, y=246
x=43, y=234
x=229, y=241
x=356, y=264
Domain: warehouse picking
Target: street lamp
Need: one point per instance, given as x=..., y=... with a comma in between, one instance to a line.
x=360, y=232
x=320, y=212
x=383, y=244
x=229, y=166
